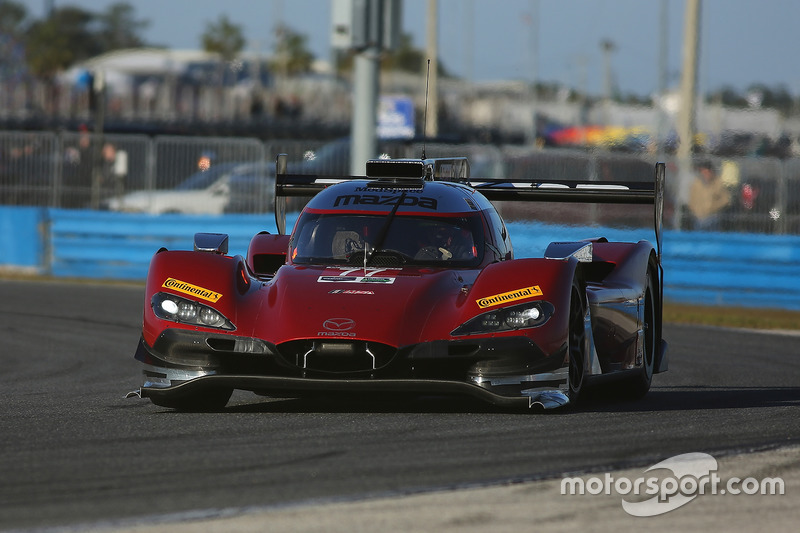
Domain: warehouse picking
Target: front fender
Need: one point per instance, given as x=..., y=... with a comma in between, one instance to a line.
x=521, y=280
x=215, y=280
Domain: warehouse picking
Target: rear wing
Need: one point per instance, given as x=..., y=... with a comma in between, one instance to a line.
x=584, y=191
x=412, y=172
x=618, y=192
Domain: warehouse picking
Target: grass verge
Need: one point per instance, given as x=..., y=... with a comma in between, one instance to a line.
x=733, y=317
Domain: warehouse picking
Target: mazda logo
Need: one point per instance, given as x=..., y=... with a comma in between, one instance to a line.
x=339, y=324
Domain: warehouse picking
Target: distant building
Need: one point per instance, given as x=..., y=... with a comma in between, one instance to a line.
x=125, y=71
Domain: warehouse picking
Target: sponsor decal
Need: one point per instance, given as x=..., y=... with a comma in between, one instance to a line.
x=354, y=279
x=338, y=327
x=392, y=190
x=369, y=276
x=349, y=291
x=339, y=324
x=510, y=296
x=371, y=279
x=194, y=290
x=370, y=271
x=424, y=202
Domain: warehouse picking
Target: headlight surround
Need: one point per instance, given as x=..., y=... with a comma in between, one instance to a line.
x=184, y=311
x=522, y=316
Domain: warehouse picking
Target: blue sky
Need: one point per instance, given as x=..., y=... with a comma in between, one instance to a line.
x=742, y=42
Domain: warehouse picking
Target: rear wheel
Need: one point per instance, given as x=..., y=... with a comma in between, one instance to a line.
x=638, y=385
x=576, y=343
x=210, y=400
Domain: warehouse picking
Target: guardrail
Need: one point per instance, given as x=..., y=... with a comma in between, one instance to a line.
x=722, y=269
x=119, y=246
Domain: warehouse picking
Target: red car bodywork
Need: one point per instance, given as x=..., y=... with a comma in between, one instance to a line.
x=316, y=311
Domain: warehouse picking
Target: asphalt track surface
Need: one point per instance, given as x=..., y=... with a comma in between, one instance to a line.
x=74, y=452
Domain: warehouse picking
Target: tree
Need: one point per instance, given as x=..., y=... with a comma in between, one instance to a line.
x=728, y=96
x=119, y=28
x=224, y=38
x=12, y=18
x=58, y=41
x=292, y=55
x=405, y=58
x=773, y=97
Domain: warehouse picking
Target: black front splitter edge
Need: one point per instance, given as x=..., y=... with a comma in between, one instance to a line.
x=288, y=384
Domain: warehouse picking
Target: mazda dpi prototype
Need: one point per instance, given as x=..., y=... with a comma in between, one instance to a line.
x=405, y=281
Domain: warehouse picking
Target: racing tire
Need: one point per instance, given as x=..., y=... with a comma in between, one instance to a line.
x=637, y=386
x=210, y=400
x=576, y=344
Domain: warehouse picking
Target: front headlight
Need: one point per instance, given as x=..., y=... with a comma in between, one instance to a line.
x=528, y=315
x=184, y=311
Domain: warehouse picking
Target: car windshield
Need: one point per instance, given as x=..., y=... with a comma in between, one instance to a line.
x=321, y=238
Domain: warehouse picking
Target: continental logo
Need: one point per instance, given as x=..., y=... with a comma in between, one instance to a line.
x=519, y=294
x=194, y=290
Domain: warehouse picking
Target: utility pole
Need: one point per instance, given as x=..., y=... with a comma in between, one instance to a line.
x=432, y=113
x=365, y=105
x=688, y=95
x=607, y=46
x=468, y=45
x=368, y=27
x=533, y=50
x=660, y=133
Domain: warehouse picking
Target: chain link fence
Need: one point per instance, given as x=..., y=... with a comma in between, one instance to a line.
x=216, y=175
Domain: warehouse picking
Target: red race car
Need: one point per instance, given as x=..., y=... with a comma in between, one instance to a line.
x=405, y=281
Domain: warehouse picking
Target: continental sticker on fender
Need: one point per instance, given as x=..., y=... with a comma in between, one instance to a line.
x=519, y=294
x=194, y=290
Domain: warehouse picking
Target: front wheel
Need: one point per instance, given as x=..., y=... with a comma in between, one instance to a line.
x=576, y=343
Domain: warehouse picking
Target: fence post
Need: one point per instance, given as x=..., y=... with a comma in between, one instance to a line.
x=46, y=239
x=783, y=192
x=150, y=164
x=57, y=142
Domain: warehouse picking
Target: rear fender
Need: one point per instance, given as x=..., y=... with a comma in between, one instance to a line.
x=622, y=291
x=631, y=262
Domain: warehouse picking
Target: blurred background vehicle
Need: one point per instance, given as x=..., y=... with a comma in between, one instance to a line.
x=223, y=188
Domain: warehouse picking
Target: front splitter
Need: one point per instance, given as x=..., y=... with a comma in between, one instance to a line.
x=547, y=399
